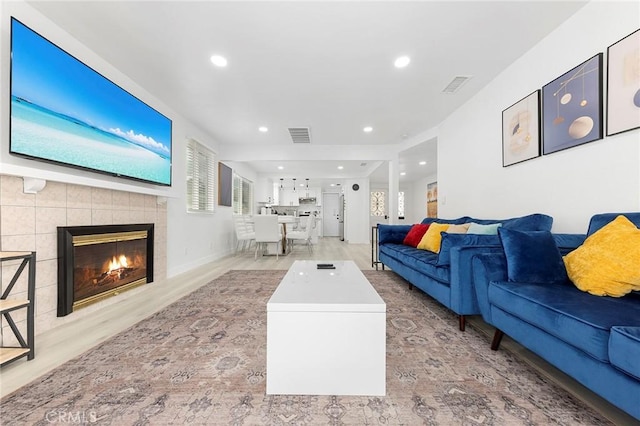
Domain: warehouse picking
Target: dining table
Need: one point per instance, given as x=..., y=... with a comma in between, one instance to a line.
x=284, y=220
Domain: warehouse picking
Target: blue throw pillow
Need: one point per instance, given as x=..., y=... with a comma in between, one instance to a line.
x=532, y=257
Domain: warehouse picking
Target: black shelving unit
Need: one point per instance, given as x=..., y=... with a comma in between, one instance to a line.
x=8, y=306
x=374, y=248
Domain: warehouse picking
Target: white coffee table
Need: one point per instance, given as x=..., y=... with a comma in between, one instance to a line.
x=326, y=333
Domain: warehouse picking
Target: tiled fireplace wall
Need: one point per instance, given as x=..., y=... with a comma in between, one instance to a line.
x=28, y=222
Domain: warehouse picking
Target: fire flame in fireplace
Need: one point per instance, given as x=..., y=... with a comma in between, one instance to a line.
x=119, y=263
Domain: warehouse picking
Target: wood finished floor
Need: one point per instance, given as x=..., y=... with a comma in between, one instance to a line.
x=63, y=343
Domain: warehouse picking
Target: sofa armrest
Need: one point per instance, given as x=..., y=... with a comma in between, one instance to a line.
x=486, y=268
x=451, y=242
x=392, y=234
x=463, y=295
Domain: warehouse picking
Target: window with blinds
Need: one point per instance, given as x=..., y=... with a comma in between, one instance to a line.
x=200, y=178
x=242, y=195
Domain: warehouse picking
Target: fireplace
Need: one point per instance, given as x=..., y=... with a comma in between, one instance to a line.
x=96, y=262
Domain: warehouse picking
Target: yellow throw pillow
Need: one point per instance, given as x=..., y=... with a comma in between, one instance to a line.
x=608, y=262
x=432, y=238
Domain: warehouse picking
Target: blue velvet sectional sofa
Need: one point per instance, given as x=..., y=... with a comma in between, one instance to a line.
x=446, y=276
x=594, y=339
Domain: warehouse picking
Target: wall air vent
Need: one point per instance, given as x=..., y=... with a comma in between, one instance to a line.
x=456, y=83
x=300, y=134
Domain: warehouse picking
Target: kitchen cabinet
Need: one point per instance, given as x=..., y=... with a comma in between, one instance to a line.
x=289, y=198
x=311, y=193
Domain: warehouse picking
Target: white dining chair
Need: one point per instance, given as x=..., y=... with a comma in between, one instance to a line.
x=304, y=235
x=267, y=232
x=244, y=233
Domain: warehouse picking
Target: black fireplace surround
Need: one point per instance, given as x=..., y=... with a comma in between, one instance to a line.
x=96, y=262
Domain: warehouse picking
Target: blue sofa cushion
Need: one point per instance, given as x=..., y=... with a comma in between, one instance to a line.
x=532, y=222
x=532, y=257
x=624, y=349
x=580, y=319
x=455, y=240
x=458, y=221
x=600, y=220
x=423, y=261
x=568, y=242
x=392, y=233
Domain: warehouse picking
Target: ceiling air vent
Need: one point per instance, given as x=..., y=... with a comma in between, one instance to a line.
x=300, y=134
x=456, y=83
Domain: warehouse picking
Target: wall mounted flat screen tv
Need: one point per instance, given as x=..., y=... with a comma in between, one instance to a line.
x=63, y=111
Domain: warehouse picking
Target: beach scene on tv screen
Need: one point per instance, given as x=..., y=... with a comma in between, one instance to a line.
x=64, y=111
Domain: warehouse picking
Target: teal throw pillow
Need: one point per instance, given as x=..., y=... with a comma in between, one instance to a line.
x=491, y=229
x=532, y=257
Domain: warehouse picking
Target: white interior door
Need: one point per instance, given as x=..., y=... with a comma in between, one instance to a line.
x=330, y=214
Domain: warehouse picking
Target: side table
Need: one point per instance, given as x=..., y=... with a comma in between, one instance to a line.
x=374, y=248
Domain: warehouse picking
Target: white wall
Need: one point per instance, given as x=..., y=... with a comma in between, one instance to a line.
x=356, y=227
x=416, y=208
x=571, y=185
x=195, y=239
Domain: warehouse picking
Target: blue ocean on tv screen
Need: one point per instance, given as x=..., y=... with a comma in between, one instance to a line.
x=41, y=133
x=64, y=111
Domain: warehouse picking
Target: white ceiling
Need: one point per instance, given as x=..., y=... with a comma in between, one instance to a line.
x=325, y=65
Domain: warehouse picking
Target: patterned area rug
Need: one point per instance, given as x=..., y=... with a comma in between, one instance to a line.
x=201, y=360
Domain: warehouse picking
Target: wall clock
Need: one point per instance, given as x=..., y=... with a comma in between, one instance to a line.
x=355, y=187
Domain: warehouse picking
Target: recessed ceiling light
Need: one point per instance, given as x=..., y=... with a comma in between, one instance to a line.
x=368, y=129
x=402, y=62
x=280, y=167
x=219, y=61
x=333, y=184
x=302, y=184
x=422, y=163
x=403, y=173
x=340, y=167
x=263, y=129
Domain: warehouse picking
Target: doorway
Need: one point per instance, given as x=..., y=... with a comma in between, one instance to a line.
x=330, y=214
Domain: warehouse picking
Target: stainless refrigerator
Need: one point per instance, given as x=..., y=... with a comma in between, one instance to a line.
x=341, y=217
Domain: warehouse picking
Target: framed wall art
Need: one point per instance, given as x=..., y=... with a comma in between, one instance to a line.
x=432, y=199
x=623, y=85
x=225, y=185
x=521, y=130
x=572, y=107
